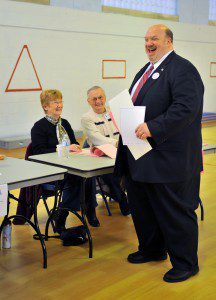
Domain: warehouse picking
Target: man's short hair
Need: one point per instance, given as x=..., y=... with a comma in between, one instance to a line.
x=96, y=87
x=166, y=29
x=49, y=95
x=169, y=34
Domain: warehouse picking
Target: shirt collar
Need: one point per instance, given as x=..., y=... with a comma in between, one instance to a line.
x=157, y=64
x=52, y=120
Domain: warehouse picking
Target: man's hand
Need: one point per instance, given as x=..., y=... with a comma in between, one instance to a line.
x=75, y=148
x=142, y=131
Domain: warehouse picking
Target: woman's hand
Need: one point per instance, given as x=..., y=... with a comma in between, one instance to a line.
x=75, y=148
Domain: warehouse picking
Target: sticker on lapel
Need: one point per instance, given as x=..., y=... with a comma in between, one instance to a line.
x=107, y=116
x=155, y=76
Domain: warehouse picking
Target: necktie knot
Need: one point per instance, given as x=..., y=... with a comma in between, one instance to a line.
x=151, y=67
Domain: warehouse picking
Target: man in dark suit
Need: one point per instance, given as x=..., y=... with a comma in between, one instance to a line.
x=163, y=185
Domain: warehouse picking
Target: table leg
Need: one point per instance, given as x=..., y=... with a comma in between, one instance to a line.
x=103, y=196
x=83, y=214
x=37, y=229
x=34, y=226
x=57, y=197
x=5, y=218
x=82, y=218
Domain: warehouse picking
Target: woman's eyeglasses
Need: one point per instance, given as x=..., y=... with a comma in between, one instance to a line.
x=56, y=102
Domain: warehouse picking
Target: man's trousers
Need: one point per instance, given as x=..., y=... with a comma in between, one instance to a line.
x=165, y=220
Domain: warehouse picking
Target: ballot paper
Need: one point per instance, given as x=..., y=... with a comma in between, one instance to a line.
x=140, y=150
x=120, y=101
x=3, y=199
x=130, y=118
x=85, y=152
x=107, y=149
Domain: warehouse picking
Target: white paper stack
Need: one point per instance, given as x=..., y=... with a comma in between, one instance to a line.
x=130, y=118
x=127, y=117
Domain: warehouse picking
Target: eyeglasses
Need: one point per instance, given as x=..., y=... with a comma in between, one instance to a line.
x=95, y=98
x=56, y=102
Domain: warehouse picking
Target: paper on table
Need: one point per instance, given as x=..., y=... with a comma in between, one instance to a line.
x=130, y=118
x=86, y=152
x=3, y=199
x=122, y=100
x=109, y=150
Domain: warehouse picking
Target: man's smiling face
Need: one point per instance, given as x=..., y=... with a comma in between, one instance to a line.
x=97, y=100
x=157, y=43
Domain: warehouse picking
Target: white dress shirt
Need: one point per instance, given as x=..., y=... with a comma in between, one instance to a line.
x=156, y=65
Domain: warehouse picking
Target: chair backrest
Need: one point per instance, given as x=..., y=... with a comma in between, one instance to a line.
x=29, y=151
x=101, y=185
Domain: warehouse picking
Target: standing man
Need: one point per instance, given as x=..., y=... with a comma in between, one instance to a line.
x=99, y=130
x=163, y=185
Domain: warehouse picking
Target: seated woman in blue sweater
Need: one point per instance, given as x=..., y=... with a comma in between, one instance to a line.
x=45, y=135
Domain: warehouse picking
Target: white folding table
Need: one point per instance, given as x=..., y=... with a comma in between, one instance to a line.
x=19, y=173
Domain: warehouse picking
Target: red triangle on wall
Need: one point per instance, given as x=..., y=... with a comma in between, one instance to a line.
x=25, y=76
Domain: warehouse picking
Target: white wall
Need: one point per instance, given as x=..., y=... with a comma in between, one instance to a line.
x=193, y=11
x=67, y=47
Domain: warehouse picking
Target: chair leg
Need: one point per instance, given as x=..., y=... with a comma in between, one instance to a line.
x=48, y=212
x=202, y=209
x=104, y=197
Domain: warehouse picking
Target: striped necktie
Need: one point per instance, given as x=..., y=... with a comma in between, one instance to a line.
x=142, y=82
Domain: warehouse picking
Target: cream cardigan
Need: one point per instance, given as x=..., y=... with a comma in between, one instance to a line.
x=99, y=128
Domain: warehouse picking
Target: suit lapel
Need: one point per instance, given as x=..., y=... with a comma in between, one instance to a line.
x=138, y=75
x=150, y=82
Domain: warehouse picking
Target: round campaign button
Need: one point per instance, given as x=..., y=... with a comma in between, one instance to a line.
x=155, y=76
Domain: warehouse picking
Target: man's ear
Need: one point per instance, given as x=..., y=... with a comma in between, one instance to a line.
x=169, y=42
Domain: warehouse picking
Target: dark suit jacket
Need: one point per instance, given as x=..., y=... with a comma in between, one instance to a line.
x=174, y=103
